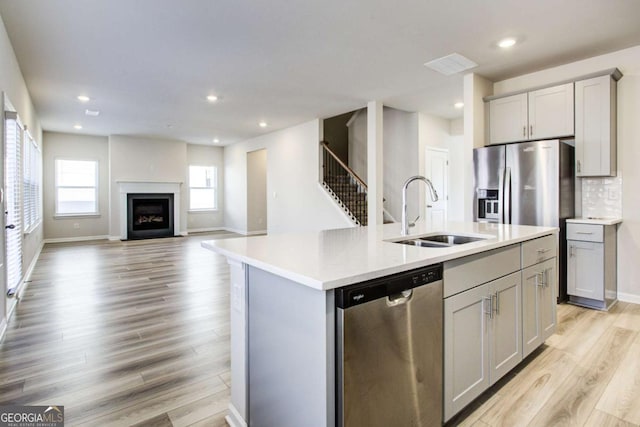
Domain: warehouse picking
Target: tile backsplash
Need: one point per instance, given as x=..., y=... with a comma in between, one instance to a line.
x=602, y=197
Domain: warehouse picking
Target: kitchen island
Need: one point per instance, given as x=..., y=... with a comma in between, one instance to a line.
x=283, y=309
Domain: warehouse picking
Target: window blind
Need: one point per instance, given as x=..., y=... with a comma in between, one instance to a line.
x=31, y=183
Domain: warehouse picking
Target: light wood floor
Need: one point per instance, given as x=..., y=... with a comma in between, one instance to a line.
x=122, y=333
x=126, y=333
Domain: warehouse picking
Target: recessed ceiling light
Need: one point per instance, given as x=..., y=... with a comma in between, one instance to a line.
x=93, y=113
x=459, y=104
x=506, y=43
x=83, y=98
x=212, y=98
x=262, y=124
x=78, y=127
x=216, y=140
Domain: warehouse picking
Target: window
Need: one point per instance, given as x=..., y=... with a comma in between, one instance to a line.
x=76, y=187
x=203, y=188
x=31, y=180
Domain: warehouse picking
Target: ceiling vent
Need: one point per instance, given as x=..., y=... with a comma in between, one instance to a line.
x=451, y=64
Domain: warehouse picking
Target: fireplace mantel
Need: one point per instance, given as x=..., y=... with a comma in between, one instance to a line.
x=132, y=186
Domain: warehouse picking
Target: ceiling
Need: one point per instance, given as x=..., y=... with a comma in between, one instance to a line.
x=148, y=65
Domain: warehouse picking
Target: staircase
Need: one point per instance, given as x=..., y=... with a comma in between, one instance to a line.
x=348, y=190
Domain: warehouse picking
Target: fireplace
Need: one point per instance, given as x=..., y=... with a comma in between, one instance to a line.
x=149, y=215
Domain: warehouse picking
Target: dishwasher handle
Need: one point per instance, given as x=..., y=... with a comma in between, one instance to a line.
x=400, y=298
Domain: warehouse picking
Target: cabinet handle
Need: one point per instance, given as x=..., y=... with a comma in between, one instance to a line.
x=540, y=280
x=584, y=232
x=490, y=300
x=497, y=307
x=579, y=167
x=546, y=278
x=524, y=131
x=531, y=130
x=571, y=251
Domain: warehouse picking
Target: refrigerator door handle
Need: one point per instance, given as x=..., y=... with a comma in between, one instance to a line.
x=501, y=196
x=506, y=187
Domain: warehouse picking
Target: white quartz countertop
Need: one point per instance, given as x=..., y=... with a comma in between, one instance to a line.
x=596, y=221
x=334, y=258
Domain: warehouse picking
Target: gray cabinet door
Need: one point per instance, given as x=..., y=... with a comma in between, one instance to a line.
x=551, y=112
x=538, y=304
x=585, y=269
x=466, y=348
x=505, y=325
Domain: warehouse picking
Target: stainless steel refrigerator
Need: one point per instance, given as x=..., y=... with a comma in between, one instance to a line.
x=528, y=183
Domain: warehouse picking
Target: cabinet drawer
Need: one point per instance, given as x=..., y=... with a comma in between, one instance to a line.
x=538, y=250
x=585, y=232
x=465, y=273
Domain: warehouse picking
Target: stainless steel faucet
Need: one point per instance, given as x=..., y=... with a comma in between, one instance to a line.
x=434, y=197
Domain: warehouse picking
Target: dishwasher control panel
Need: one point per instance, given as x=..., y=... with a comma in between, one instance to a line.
x=360, y=293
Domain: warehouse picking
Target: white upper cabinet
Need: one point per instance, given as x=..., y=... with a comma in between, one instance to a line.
x=540, y=114
x=596, y=127
x=551, y=112
x=508, y=119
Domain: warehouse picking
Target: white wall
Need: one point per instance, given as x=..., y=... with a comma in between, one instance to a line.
x=14, y=88
x=628, y=61
x=205, y=155
x=295, y=199
x=145, y=159
x=257, y=191
x=75, y=147
x=400, y=162
x=357, y=131
x=457, y=189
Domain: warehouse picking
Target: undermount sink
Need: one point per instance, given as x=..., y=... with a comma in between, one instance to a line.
x=440, y=240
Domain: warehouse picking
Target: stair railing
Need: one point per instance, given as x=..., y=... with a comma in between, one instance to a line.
x=345, y=184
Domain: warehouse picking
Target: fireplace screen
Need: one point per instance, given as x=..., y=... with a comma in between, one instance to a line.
x=149, y=215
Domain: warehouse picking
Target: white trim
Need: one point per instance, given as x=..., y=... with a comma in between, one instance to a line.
x=76, y=239
x=150, y=187
x=632, y=298
x=114, y=238
x=3, y=329
x=235, y=230
x=204, y=230
x=234, y=419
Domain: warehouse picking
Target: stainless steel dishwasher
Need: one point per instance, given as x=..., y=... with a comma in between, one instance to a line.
x=389, y=351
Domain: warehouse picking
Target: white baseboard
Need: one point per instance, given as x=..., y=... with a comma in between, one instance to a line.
x=632, y=298
x=206, y=230
x=235, y=230
x=254, y=233
x=115, y=238
x=234, y=419
x=77, y=239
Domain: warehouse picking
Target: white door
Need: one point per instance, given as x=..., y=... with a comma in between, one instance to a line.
x=13, y=133
x=437, y=170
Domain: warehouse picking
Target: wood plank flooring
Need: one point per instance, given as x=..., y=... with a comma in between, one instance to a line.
x=137, y=333
x=123, y=333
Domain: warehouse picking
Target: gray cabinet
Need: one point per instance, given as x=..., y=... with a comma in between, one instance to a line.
x=482, y=339
x=539, y=114
x=591, y=265
x=538, y=304
x=596, y=126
